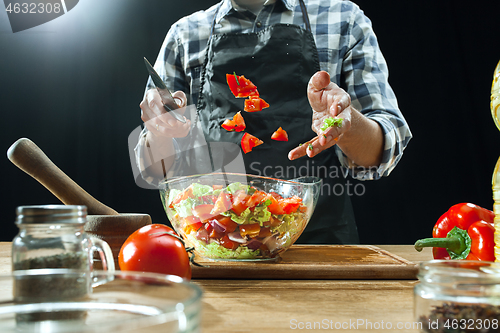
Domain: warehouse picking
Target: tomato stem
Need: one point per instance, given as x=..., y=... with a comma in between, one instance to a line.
x=189, y=250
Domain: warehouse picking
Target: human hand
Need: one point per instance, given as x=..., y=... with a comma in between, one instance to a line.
x=327, y=100
x=158, y=121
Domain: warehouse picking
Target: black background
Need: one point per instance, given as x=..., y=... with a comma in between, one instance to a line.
x=73, y=86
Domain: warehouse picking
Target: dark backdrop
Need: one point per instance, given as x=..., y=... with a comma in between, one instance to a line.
x=73, y=86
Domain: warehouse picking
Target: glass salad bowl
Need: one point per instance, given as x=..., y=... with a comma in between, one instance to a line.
x=242, y=217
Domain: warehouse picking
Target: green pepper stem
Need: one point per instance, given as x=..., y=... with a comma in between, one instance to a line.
x=453, y=243
x=457, y=243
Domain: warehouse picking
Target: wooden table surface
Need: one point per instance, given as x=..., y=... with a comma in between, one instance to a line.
x=297, y=305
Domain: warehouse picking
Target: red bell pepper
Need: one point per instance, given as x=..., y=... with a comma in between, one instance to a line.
x=280, y=135
x=248, y=142
x=465, y=231
x=255, y=104
x=236, y=124
x=240, y=86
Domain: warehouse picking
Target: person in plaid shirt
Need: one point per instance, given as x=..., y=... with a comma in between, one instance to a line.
x=311, y=60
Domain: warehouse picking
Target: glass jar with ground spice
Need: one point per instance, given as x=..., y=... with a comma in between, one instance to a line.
x=53, y=237
x=458, y=296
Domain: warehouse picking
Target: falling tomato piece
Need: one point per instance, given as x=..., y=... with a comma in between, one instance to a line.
x=236, y=124
x=248, y=142
x=240, y=86
x=254, y=104
x=280, y=135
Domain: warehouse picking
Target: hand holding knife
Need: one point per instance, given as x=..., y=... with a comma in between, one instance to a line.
x=166, y=97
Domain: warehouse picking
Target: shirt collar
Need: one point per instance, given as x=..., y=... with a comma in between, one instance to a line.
x=228, y=5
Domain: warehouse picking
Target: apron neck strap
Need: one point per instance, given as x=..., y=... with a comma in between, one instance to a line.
x=305, y=17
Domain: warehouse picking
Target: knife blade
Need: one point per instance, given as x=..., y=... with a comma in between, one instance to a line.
x=166, y=97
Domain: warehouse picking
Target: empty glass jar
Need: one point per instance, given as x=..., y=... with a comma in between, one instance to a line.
x=458, y=296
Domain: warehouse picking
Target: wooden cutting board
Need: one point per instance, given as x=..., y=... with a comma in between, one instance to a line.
x=315, y=262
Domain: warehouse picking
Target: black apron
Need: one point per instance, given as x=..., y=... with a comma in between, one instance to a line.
x=279, y=60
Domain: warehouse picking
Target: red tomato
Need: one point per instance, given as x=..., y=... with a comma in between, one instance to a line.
x=153, y=249
x=236, y=124
x=248, y=142
x=255, y=104
x=241, y=86
x=280, y=135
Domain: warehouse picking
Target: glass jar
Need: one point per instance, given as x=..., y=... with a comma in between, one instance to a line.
x=52, y=236
x=458, y=296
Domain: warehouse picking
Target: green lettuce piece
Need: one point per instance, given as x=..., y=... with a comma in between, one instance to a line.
x=261, y=214
x=172, y=195
x=184, y=208
x=331, y=122
x=234, y=187
x=200, y=189
x=240, y=219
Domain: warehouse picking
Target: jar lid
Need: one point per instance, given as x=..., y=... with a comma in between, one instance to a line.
x=51, y=214
x=466, y=276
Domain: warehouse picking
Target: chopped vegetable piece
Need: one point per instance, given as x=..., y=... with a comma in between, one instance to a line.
x=222, y=204
x=250, y=230
x=280, y=135
x=236, y=124
x=331, y=122
x=248, y=142
x=203, y=211
x=255, y=104
x=240, y=86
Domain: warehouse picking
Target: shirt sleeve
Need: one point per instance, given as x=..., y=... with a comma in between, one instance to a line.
x=365, y=75
x=143, y=161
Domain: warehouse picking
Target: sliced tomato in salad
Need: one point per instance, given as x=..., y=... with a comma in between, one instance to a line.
x=274, y=207
x=187, y=193
x=280, y=135
x=240, y=86
x=248, y=142
x=255, y=104
x=222, y=204
x=290, y=205
x=240, y=199
x=227, y=223
x=203, y=211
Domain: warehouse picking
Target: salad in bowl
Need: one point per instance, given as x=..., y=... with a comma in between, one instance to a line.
x=239, y=216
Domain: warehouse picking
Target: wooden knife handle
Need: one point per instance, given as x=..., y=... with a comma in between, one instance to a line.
x=28, y=157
